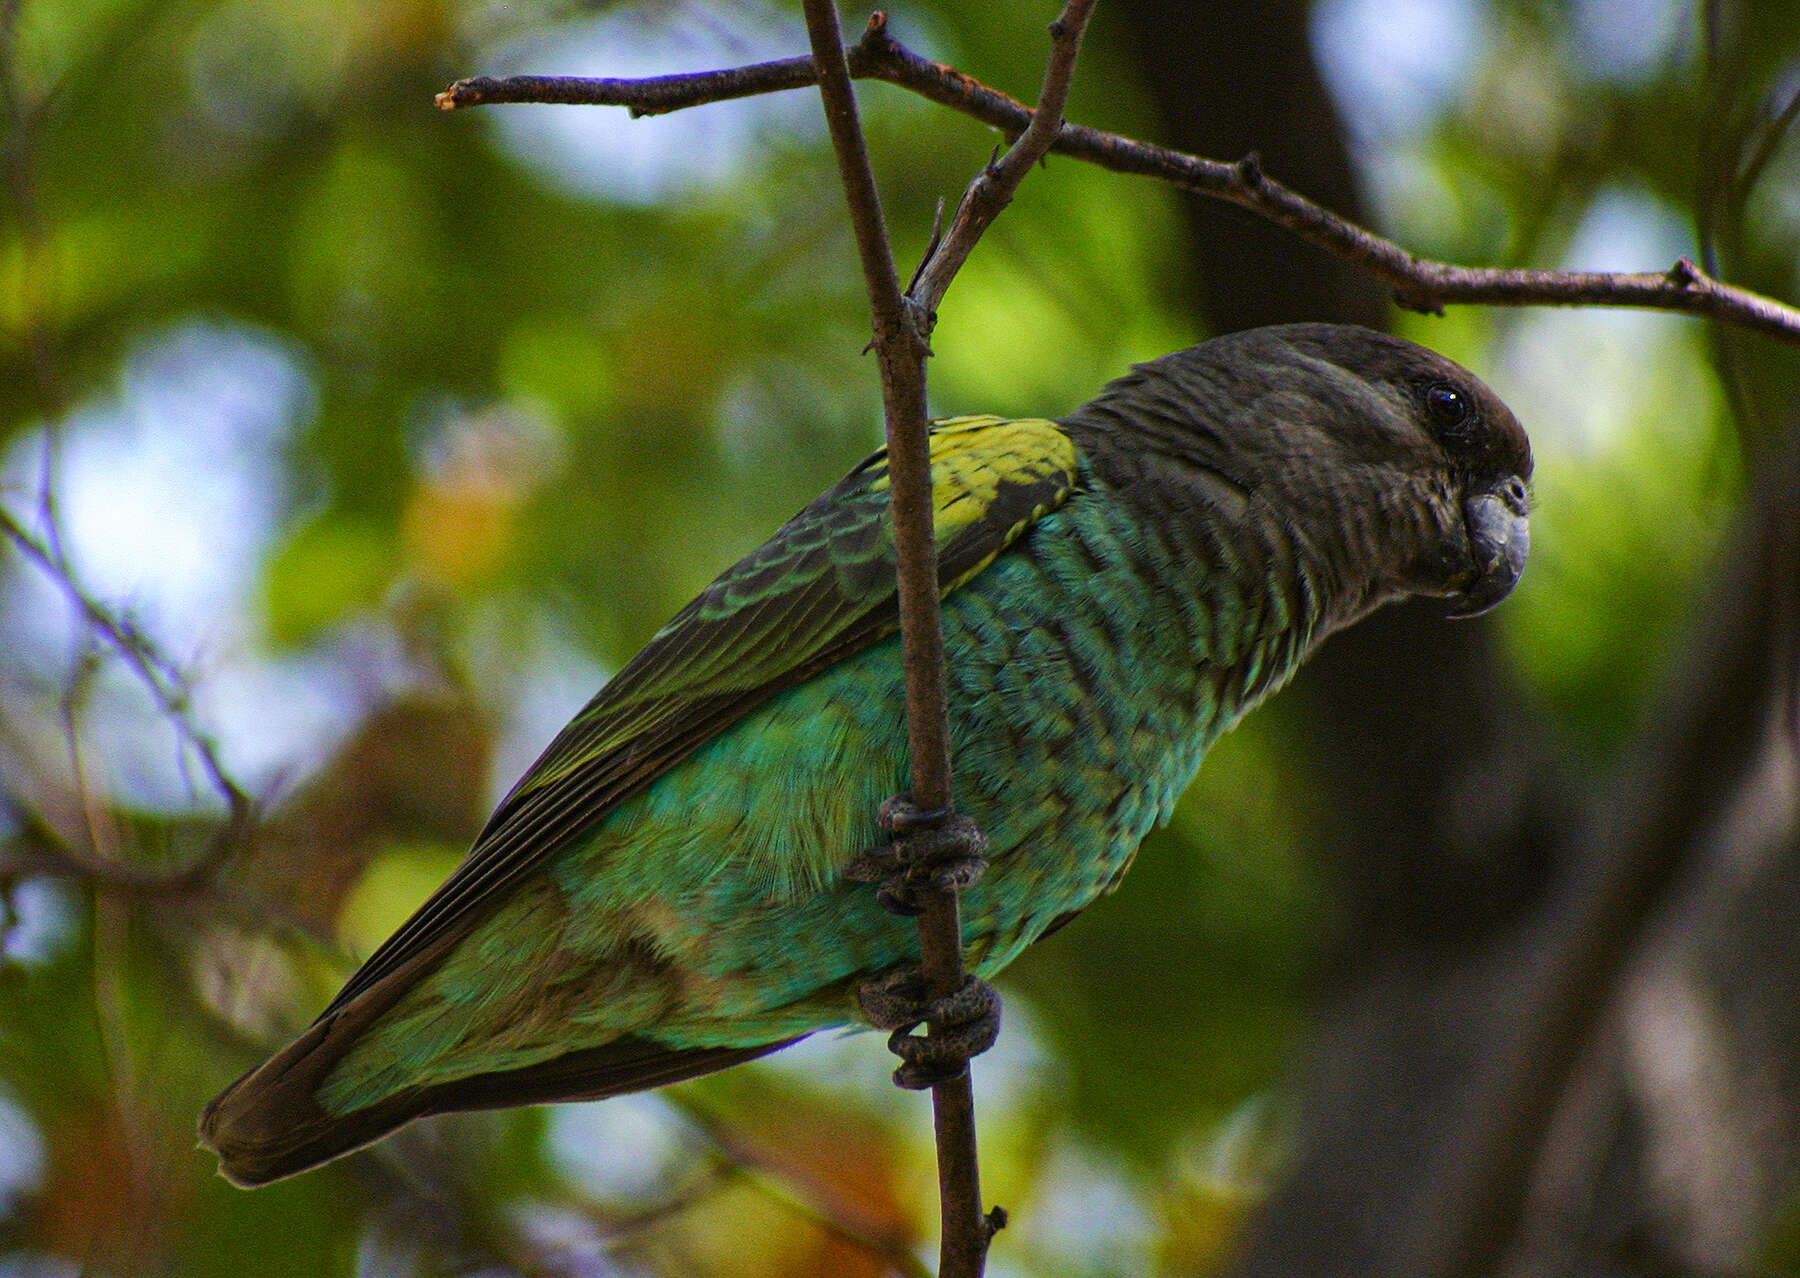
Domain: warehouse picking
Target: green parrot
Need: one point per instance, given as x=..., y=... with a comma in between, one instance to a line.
x=665, y=892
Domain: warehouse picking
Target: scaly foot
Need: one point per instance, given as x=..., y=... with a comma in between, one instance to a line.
x=964, y=1024
x=931, y=849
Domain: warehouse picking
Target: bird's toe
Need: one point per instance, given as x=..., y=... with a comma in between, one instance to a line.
x=932, y=850
x=964, y=1024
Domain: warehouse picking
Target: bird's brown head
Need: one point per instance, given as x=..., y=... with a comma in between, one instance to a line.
x=1398, y=466
x=1453, y=443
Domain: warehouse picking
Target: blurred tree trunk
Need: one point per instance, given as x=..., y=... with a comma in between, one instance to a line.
x=1673, y=1149
x=1452, y=832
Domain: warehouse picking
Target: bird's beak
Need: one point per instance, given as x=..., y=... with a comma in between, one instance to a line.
x=1499, y=528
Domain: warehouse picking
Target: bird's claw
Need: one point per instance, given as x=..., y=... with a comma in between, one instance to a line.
x=900, y=816
x=932, y=850
x=964, y=1024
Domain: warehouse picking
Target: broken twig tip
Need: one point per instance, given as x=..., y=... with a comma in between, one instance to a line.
x=463, y=93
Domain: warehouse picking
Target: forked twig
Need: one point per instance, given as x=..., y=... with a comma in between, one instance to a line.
x=992, y=190
x=900, y=352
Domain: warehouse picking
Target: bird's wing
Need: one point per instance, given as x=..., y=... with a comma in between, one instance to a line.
x=817, y=591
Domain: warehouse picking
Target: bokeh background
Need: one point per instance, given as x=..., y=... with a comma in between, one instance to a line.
x=384, y=435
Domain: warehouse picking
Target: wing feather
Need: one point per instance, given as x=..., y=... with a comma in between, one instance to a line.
x=819, y=590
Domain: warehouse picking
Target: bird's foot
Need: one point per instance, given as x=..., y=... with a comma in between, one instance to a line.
x=964, y=1024
x=931, y=850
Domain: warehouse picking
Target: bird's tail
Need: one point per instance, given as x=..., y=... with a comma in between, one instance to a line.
x=270, y=1124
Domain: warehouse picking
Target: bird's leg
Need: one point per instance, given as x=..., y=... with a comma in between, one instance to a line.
x=931, y=849
x=963, y=1024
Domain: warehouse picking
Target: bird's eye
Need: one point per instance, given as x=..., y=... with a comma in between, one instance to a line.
x=1450, y=411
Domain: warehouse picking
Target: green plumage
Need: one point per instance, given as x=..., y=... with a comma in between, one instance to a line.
x=663, y=893
x=769, y=937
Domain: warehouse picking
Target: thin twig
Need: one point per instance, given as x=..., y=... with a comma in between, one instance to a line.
x=1720, y=189
x=1774, y=133
x=992, y=190
x=650, y=95
x=37, y=851
x=69, y=708
x=166, y=684
x=1418, y=283
x=900, y=350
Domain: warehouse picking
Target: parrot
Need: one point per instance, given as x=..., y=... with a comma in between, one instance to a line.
x=679, y=883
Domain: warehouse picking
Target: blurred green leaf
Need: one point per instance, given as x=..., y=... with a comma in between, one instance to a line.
x=326, y=571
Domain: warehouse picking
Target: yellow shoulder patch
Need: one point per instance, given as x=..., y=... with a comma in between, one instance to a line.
x=992, y=478
x=973, y=457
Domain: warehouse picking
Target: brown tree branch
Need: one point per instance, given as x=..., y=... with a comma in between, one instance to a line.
x=37, y=850
x=1418, y=283
x=900, y=349
x=901, y=326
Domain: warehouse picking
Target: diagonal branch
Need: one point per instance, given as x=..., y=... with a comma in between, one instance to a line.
x=992, y=190
x=166, y=684
x=1418, y=283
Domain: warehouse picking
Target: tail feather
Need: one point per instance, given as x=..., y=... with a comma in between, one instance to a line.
x=269, y=1124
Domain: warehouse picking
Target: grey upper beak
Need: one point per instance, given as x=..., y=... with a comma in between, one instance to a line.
x=1499, y=527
